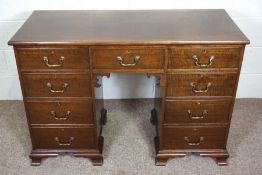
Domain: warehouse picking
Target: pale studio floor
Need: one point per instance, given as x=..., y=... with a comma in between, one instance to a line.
x=128, y=147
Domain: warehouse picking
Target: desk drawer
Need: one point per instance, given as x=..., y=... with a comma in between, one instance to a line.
x=53, y=58
x=63, y=138
x=60, y=112
x=128, y=58
x=204, y=57
x=215, y=84
x=195, y=137
x=197, y=111
x=56, y=85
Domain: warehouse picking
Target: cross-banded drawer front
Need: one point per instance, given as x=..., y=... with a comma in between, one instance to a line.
x=197, y=111
x=57, y=85
x=63, y=138
x=128, y=58
x=60, y=112
x=198, y=84
x=196, y=137
x=53, y=58
x=204, y=57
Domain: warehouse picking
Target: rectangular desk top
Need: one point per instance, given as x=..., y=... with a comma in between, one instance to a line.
x=129, y=27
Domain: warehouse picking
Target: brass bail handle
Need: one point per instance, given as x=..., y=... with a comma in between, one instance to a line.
x=66, y=116
x=121, y=61
x=61, y=60
x=200, y=140
x=190, y=114
x=195, y=90
x=64, y=87
x=196, y=61
x=70, y=141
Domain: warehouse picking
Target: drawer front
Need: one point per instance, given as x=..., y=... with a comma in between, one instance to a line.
x=53, y=58
x=197, y=111
x=194, y=137
x=201, y=84
x=60, y=112
x=204, y=57
x=56, y=85
x=128, y=58
x=63, y=138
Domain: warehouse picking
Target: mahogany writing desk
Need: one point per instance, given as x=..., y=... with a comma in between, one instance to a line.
x=62, y=55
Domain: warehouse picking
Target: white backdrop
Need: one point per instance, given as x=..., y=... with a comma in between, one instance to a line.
x=246, y=13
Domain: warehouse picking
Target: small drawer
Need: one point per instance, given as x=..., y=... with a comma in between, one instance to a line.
x=197, y=111
x=56, y=85
x=60, y=112
x=211, y=84
x=52, y=58
x=128, y=58
x=63, y=138
x=203, y=57
x=195, y=137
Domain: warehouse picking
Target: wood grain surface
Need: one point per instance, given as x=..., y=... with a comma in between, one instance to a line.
x=125, y=27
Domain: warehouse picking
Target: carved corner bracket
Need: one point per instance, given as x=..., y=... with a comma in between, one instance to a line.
x=96, y=79
x=161, y=78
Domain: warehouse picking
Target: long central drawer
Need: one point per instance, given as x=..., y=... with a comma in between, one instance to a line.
x=128, y=58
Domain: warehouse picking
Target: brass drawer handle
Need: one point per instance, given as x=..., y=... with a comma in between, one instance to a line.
x=49, y=85
x=190, y=114
x=61, y=60
x=195, y=90
x=121, y=61
x=70, y=141
x=67, y=114
x=200, y=140
x=211, y=59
